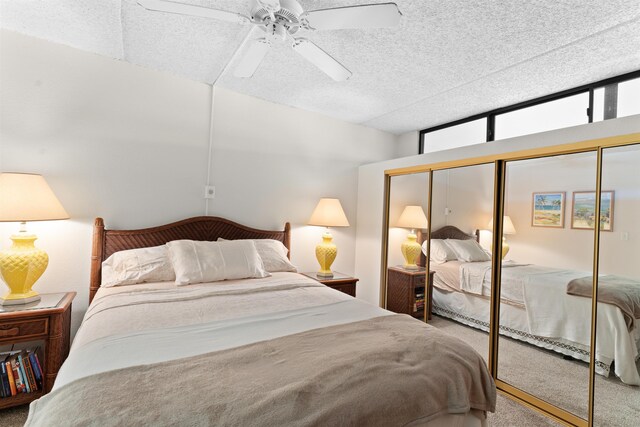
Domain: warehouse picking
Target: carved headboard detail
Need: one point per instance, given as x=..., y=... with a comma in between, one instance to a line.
x=107, y=242
x=446, y=232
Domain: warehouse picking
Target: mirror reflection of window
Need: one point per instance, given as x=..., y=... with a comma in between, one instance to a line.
x=617, y=385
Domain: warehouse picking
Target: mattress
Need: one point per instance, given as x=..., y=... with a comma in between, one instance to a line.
x=153, y=327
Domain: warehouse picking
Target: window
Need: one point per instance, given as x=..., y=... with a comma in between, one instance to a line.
x=616, y=100
x=473, y=132
x=562, y=113
x=607, y=99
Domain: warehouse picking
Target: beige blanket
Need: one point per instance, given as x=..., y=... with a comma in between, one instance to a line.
x=622, y=292
x=385, y=371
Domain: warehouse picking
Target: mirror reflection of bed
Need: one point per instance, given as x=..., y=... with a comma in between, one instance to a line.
x=542, y=325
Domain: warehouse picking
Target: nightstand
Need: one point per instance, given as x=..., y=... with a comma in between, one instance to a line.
x=47, y=322
x=339, y=282
x=409, y=292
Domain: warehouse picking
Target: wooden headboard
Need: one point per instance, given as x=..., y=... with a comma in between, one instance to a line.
x=446, y=232
x=106, y=242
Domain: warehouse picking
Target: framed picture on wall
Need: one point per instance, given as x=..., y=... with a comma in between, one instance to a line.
x=548, y=210
x=583, y=210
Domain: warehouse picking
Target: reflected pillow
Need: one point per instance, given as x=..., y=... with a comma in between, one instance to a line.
x=199, y=262
x=273, y=254
x=135, y=266
x=468, y=250
x=441, y=252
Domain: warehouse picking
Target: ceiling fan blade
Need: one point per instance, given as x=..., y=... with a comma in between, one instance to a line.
x=252, y=58
x=191, y=10
x=321, y=59
x=363, y=16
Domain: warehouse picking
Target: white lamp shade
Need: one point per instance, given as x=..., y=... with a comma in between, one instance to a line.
x=412, y=217
x=329, y=213
x=28, y=197
x=507, y=225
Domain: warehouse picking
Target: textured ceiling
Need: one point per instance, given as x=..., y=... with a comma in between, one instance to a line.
x=447, y=59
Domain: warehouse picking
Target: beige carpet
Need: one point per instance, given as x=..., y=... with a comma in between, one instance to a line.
x=547, y=375
x=14, y=417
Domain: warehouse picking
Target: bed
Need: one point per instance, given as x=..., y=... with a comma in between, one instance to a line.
x=536, y=308
x=279, y=350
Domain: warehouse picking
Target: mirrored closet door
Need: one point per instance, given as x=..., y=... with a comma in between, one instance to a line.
x=545, y=334
x=405, y=263
x=617, y=379
x=517, y=250
x=460, y=257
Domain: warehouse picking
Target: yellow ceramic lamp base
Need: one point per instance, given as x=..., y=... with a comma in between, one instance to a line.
x=20, y=267
x=411, y=251
x=326, y=253
x=505, y=247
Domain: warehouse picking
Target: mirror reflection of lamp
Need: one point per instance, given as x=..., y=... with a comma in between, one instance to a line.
x=25, y=197
x=412, y=217
x=507, y=228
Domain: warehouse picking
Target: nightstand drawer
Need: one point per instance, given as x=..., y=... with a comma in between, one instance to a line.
x=420, y=280
x=23, y=329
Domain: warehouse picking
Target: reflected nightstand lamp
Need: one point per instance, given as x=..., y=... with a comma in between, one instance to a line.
x=507, y=228
x=412, y=217
x=25, y=197
x=328, y=213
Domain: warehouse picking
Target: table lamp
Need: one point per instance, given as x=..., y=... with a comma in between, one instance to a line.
x=412, y=217
x=507, y=228
x=25, y=197
x=328, y=213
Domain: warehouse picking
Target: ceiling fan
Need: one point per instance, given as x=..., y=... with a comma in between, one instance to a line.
x=281, y=20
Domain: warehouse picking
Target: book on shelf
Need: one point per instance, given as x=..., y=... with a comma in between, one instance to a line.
x=23, y=373
x=17, y=376
x=35, y=365
x=20, y=372
x=12, y=381
x=31, y=379
x=5, y=390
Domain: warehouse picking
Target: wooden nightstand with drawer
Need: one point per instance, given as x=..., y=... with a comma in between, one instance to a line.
x=409, y=292
x=48, y=322
x=339, y=282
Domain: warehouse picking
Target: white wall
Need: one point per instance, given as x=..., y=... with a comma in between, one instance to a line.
x=407, y=144
x=371, y=178
x=272, y=164
x=131, y=145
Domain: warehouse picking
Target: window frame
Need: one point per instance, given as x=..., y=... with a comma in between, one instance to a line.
x=490, y=116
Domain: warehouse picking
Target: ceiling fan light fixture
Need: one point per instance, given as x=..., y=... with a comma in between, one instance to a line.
x=282, y=19
x=271, y=6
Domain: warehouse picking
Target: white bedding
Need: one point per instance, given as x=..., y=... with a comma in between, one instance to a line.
x=198, y=303
x=155, y=322
x=200, y=313
x=551, y=313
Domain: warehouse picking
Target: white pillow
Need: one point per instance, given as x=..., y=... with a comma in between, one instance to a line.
x=137, y=266
x=441, y=252
x=468, y=250
x=273, y=254
x=197, y=262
